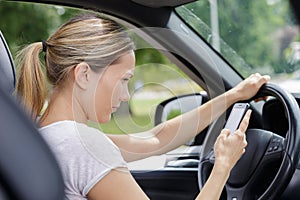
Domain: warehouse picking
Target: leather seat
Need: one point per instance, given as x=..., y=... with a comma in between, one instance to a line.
x=28, y=169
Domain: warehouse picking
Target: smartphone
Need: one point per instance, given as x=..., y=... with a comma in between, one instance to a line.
x=237, y=113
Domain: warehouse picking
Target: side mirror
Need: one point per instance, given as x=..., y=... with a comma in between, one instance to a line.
x=175, y=106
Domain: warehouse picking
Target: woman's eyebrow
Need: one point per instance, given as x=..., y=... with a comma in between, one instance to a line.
x=130, y=72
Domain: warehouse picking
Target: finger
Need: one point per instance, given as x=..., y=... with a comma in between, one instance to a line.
x=245, y=122
x=243, y=151
x=245, y=143
x=240, y=134
x=261, y=99
x=267, y=77
x=225, y=132
x=263, y=79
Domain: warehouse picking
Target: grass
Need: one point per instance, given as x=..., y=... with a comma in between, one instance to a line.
x=142, y=107
x=125, y=125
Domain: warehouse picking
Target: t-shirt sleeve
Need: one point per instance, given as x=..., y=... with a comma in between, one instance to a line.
x=101, y=156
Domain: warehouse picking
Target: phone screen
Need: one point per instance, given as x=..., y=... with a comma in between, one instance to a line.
x=236, y=116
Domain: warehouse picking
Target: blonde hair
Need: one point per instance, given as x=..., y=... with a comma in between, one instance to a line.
x=86, y=38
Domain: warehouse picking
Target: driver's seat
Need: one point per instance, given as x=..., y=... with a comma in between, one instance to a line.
x=28, y=169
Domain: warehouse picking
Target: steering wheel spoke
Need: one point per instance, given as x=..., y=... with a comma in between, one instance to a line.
x=275, y=147
x=234, y=193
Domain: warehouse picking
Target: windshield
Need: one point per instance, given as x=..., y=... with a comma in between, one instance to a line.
x=253, y=36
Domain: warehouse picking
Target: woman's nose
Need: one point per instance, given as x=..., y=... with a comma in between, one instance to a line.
x=125, y=95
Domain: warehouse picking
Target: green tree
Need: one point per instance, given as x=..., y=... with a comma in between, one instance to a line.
x=24, y=23
x=248, y=27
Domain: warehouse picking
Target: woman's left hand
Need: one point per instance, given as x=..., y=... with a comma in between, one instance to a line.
x=250, y=86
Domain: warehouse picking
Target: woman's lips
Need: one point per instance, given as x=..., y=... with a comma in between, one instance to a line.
x=115, y=108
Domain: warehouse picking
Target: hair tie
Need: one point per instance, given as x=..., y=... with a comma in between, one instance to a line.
x=44, y=46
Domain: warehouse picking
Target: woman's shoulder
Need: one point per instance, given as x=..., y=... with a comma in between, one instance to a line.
x=92, y=136
x=82, y=139
x=100, y=146
x=95, y=139
x=67, y=126
x=72, y=129
x=58, y=126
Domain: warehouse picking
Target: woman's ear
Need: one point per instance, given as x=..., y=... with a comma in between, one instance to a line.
x=82, y=75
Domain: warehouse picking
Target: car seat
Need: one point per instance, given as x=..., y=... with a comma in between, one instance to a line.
x=28, y=169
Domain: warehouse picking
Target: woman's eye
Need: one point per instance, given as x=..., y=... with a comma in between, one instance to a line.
x=125, y=79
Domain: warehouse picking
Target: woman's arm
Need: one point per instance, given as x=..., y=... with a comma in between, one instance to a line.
x=228, y=150
x=117, y=184
x=175, y=132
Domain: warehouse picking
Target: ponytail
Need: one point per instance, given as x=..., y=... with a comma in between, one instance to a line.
x=31, y=83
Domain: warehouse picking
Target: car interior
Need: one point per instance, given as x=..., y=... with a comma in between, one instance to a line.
x=28, y=169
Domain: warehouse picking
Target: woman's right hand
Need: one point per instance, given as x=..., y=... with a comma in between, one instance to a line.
x=228, y=147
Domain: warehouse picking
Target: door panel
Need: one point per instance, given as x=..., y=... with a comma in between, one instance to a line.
x=168, y=184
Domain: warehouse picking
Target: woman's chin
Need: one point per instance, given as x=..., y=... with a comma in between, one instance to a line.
x=103, y=119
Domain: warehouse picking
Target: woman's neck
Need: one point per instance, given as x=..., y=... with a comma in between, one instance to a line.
x=63, y=106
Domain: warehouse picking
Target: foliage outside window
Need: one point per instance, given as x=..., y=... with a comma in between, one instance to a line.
x=255, y=35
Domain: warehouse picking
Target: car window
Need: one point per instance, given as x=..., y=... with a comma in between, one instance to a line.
x=253, y=36
x=155, y=79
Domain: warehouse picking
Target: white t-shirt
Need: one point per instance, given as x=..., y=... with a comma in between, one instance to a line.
x=85, y=155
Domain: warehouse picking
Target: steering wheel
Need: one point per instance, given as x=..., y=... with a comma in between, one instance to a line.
x=264, y=149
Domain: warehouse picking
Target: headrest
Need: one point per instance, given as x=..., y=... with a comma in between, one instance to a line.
x=7, y=68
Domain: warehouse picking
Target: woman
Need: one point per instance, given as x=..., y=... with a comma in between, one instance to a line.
x=89, y=61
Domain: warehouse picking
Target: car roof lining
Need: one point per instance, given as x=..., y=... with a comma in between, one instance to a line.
x=162, y=3
x=124, y=9
x=173, y=57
